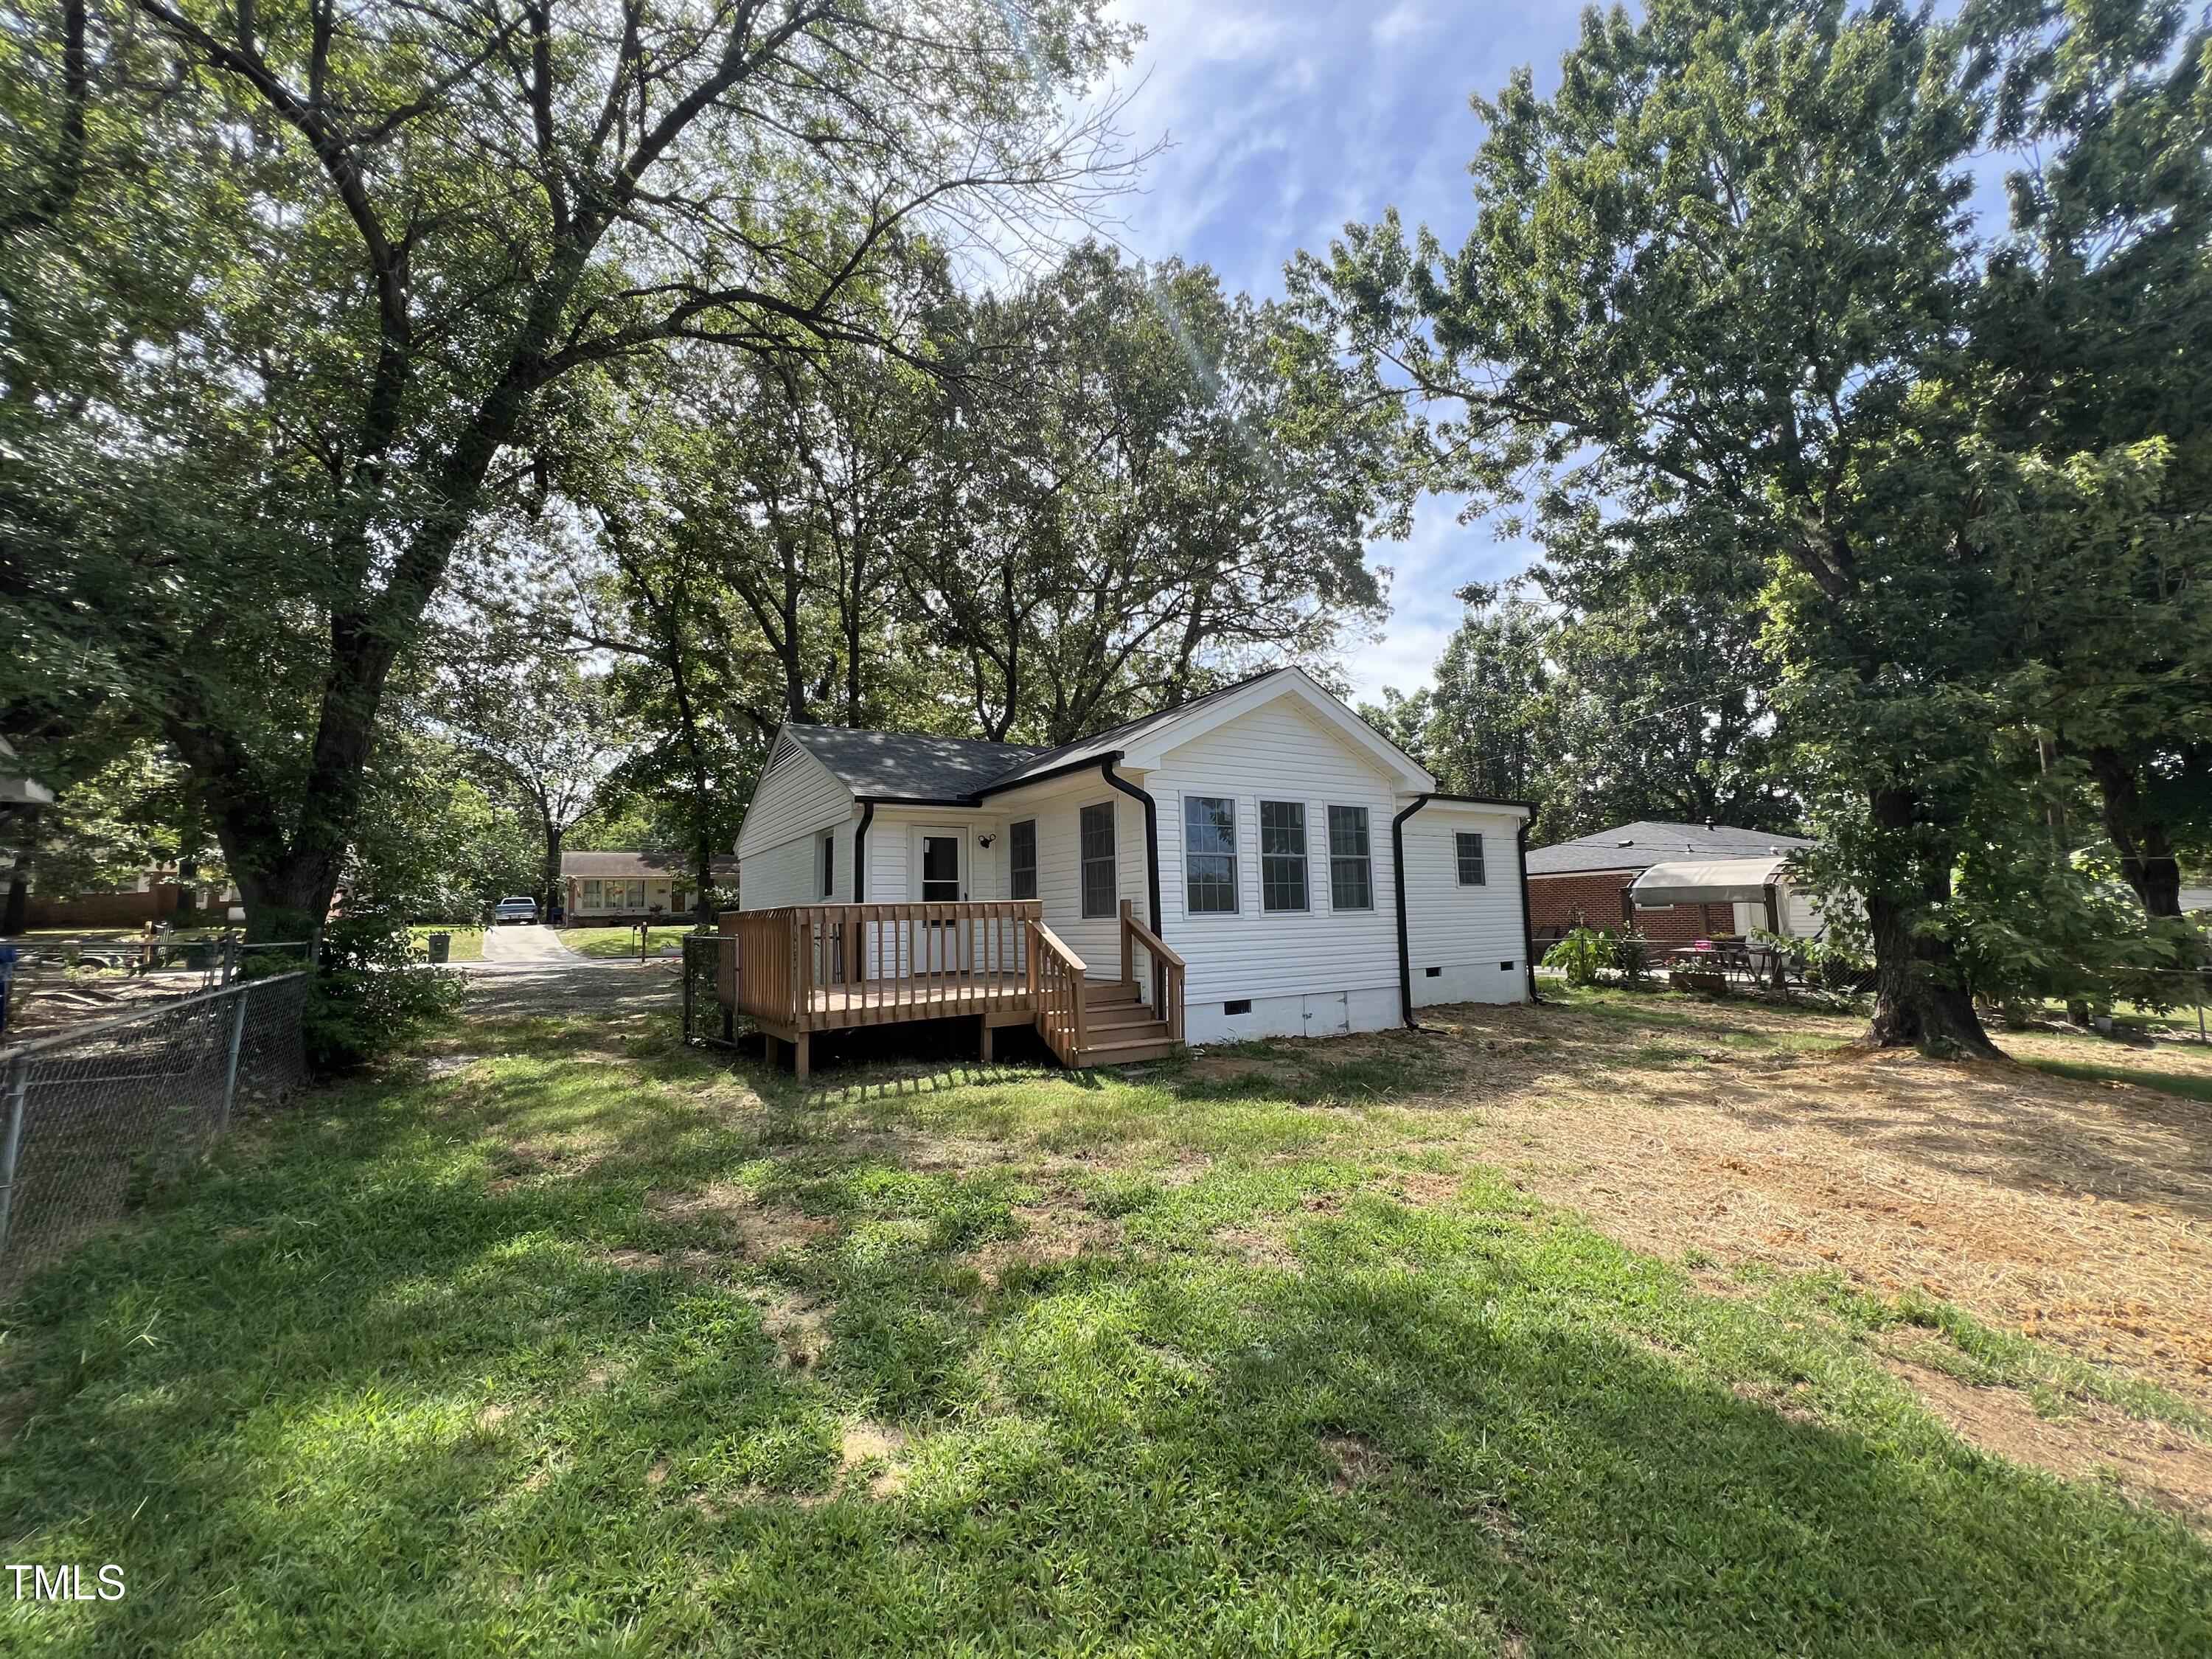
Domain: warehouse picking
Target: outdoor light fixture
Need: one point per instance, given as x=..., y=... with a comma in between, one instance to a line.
x=984, y=841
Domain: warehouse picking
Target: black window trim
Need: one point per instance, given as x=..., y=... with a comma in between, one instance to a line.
x=1236, y=872
x=1014, y=867
x=1083, y=861
x=1367, y=833
x=826, y=866
x=1304, y=857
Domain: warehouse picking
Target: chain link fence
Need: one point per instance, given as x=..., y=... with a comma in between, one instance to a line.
x=96, y=1120
x=707, y=1017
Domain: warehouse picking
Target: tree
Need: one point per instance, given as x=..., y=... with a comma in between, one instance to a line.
x=374, y=250
x=542, y=730
x=1711, y=278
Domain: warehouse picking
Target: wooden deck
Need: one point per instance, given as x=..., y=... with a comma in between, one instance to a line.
x=809, y=968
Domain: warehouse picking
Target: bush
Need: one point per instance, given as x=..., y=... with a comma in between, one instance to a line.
x=1584, y=954
x=372, y=991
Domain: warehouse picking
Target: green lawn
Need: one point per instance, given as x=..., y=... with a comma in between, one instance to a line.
x=584, y=1344
x=623, y=941
x=467, y=942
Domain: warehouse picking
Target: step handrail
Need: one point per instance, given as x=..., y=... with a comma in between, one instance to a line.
x=1057, y=991
x=1167, y=968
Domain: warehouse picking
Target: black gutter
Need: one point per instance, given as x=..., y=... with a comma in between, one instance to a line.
x=1151, y=832
x=1527, y=919
x=1060, y=771
x=1398, y=886
x=861, y=851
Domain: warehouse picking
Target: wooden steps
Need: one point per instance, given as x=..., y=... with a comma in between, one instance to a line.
x=1121, y=1029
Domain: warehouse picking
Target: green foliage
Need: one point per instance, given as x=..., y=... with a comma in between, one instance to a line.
x=1585, y=953
x=373, y=992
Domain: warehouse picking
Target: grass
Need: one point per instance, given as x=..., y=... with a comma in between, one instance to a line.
x=583, y=1345
x=467, y=944
x=2188, y=1085
x=621, y=941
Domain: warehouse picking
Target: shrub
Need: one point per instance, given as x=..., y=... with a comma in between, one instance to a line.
x=1584, y=954
x=373, y=992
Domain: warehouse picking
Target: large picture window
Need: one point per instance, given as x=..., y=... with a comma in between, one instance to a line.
x=1098, y=887
x=1021, y=853
x=1351, y=861
x=1471, y=874
x=1282, y=856
x=1209, y=854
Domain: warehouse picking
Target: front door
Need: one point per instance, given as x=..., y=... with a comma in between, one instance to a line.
x=940, y=877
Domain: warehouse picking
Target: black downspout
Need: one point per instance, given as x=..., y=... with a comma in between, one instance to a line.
x=861, y=878
x=1152, y=835
x=1527, y=919
x=861, y=851
x=1398, y=886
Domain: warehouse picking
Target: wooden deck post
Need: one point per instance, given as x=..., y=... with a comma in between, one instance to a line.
x=799, y=1047
x=1129, y=948
x=983, y=1038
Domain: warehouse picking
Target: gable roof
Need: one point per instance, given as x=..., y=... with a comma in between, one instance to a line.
x=900, y=766
x=632, y=866
x=1639, y=846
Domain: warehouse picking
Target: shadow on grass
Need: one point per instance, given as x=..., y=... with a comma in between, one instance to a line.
x=2187, y=1085
x=427, y=1360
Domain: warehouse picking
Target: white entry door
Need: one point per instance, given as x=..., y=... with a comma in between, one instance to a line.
x=940, y=877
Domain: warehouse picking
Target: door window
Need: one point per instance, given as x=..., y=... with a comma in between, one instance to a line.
x=940, y=869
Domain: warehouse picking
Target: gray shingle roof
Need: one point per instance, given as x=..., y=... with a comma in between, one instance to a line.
x=632, y=866
x=907, y=766
x=1639, y=846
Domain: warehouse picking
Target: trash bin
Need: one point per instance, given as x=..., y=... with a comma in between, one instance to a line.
x=441, y=944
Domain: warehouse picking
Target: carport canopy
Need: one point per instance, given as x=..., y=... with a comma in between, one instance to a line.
x=1707, y=881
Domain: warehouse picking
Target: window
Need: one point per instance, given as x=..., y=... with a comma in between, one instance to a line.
x=1470, y=859
x=1098, y=884
x=1021, y=853
x=940, y=869
x=590, y=898
x=1350, y=863
x=1282, y=856
x=829, y=865
x=1209, y=849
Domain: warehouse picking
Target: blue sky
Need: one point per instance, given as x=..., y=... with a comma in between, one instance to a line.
x=1284, y=119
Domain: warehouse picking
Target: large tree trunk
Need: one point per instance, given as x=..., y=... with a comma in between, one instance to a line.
x=553, y=838
x=2147, y=858
x=1920, y=996
x=18, y=910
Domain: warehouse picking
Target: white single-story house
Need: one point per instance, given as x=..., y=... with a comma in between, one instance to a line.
x=1283, y=868
x=614, y=888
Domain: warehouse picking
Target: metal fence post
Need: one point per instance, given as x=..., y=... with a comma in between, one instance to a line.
x=11, y=1140
x=230, y=1071
x=229, y=958
x=314, y=947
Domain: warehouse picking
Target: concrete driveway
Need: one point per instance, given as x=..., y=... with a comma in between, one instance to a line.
x=531, y=942
x=527, y=971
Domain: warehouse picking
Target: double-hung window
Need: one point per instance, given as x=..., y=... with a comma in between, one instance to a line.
x=1209, y=854
x=1021, y=854
x=590, y=901
x=1351, y=861
x=1470, y=845
x=1097, y=838
x=1282, y=856
x=829, y=865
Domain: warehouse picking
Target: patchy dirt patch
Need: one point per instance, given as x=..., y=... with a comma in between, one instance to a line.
x=800, y=1329
x=736, y=1219
x=1353, y=1461
x=1261, y=1250
x=2074, y=1214
x=2150, y=1461
x=877, y=1449
x=1051, y=1233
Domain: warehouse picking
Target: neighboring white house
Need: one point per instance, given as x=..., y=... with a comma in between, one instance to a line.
x=627, y=886
x=1306, y=870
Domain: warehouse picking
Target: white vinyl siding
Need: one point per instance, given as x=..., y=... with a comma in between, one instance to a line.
x=780, y=843
x=1342, y=963
x=1465, y=932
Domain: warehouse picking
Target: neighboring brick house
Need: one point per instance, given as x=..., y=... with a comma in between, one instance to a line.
x=1584, y=882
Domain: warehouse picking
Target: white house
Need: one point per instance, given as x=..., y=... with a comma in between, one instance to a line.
x=1299, y=874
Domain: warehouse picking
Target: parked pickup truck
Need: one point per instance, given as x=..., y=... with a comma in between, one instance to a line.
x=516, y=910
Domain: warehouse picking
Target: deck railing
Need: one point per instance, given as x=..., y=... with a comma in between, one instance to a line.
x=816, y=967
